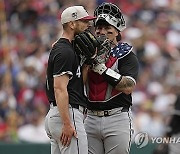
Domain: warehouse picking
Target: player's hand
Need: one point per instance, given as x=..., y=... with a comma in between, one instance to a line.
x=68, y=131
x=99, y=68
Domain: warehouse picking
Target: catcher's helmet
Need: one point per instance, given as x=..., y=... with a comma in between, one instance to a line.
x=111, y=14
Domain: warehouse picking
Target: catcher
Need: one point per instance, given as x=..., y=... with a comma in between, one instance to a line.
x=110, y=82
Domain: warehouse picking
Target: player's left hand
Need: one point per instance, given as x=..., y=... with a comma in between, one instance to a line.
x=85, y=44
x=68, y=131
x=99, y=68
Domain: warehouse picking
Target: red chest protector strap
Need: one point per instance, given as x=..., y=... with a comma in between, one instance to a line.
x=98, y=85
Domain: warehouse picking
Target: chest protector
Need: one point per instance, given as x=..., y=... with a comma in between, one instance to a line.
x=98, y=90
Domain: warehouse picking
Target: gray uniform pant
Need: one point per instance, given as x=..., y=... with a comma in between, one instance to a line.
x=174, y=148
x=53, y=127
x=109, y=134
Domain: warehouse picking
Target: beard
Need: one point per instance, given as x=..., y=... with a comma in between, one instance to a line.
x=76, y=33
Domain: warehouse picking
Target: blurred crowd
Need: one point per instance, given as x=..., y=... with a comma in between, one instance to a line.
x=28, y=28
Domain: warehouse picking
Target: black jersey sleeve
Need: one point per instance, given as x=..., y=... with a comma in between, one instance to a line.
x=129, y=66
x=63, y=62
x=174, y=122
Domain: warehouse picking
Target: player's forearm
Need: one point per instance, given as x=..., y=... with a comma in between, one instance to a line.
x=126, y=85
x=62, y=100
x=123, y=84
x=85, y=70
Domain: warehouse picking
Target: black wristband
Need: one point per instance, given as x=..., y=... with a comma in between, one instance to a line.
x=112, y=77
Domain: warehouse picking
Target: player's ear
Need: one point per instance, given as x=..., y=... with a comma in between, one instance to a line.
x=72, y=24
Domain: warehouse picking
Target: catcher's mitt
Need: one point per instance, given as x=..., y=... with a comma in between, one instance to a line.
x=103, y=50
x=86, y=44
x=92, y=49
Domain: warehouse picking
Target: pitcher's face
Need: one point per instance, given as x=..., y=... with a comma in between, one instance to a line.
x=80, y=26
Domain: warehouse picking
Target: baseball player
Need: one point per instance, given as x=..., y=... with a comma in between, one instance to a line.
x=174, y=148
x=109, y=86
x=64, y=121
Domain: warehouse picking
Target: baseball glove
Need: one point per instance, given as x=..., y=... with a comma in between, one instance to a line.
x=103, y=50
x=92, y=49
x=86, y=44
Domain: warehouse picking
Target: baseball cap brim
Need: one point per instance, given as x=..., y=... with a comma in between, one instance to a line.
x=88, y=18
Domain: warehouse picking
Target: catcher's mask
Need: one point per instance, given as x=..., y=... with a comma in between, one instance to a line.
x=111, y=14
